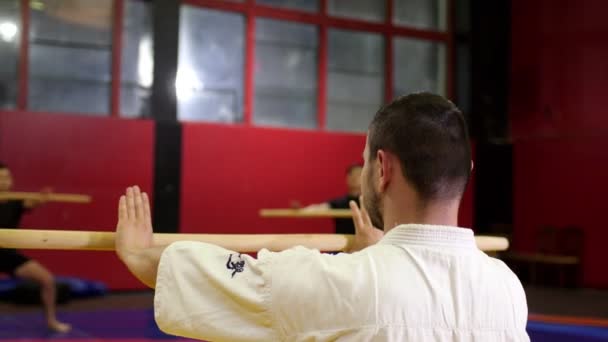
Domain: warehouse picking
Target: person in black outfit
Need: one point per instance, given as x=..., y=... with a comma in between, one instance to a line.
x=353, y=182
x=18, y=265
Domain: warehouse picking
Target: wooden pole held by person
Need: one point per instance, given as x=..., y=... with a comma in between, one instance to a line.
x=104, y=241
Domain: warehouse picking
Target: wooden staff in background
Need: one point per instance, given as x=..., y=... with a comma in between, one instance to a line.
x=44, y=197
x=305, y=213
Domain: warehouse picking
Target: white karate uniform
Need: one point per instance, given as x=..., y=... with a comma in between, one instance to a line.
x=419, y=283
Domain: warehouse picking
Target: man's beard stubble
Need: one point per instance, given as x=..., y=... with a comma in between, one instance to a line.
x=372, y=203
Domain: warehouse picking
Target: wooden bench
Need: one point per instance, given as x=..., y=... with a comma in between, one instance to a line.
x=558, y=249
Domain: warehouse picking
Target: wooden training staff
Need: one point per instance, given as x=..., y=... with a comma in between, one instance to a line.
x=104, y=241
x=303, y=213
x=47, y=197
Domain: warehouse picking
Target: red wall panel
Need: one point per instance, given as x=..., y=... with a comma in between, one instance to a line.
x=559, y=122
x=230, y=172
x=78, y=154
x=563, y=182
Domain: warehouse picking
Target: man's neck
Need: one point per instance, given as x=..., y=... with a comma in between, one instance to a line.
x=443, y=213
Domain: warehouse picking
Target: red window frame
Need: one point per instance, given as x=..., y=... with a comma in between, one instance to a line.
x=23, y=70
x=251, y=10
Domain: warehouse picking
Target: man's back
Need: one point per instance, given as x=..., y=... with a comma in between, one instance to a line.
x=401, y=291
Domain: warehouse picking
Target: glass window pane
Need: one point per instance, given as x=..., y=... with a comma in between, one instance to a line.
x=209, y=82
x=70, y=56
x=372, y=10
x=423, y=14
x=286, y=74
x=137, y=59
x=419, y=65
x=355, y=79
x=306, y=5
x=10, y=32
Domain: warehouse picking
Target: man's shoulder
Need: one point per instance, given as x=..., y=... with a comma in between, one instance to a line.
x=503, y=278
x=301, y=263
x=300, y=254
x=502, y=268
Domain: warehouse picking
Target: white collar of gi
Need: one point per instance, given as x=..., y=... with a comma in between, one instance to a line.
x=430, y=235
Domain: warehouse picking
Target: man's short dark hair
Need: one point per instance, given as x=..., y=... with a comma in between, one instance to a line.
x=3, y=166
x=429, y=136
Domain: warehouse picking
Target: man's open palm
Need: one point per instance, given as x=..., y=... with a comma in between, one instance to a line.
x=134, y=228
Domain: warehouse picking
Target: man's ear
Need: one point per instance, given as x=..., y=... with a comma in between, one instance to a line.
x=385, y=169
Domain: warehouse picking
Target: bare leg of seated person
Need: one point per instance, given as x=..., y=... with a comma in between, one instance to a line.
x=33, y=270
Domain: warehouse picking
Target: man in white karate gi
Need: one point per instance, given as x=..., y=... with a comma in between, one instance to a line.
x=422, y=279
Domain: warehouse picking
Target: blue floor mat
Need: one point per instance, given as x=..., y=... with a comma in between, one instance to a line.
x=552, y=332
x=106, y=324
x=140, y=324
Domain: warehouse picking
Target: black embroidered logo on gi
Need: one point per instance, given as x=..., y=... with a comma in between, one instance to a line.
x=235, y=266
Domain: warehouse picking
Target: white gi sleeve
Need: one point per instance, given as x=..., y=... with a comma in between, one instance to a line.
x=207, y=292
